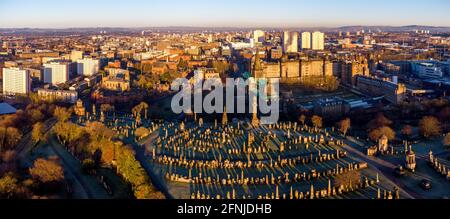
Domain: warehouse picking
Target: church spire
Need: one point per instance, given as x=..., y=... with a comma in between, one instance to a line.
x=257, y=66
x=257, y=63
x=224, y=117
x=255, y=120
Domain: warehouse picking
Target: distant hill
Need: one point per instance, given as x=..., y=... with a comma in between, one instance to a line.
x=433, y=29
x=395, y=28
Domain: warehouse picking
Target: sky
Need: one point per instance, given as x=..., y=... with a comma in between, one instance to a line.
x=221, y=13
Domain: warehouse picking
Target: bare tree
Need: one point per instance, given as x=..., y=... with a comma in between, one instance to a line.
x=302, y=119
x=47, y=170
x=316, y=121
x=38, y=132
x=344, y=125
x=430, y=126
x=62, y=114
x=376, y=134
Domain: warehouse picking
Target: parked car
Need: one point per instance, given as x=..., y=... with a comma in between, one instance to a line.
x=425, y=184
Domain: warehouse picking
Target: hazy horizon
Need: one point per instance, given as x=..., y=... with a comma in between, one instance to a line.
x=232, y=13
x=218, y=27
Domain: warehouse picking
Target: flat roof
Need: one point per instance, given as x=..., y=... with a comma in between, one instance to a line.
x=5, y=108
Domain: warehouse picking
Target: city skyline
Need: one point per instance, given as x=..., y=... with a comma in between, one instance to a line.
x=254, y=100
x=232, y=13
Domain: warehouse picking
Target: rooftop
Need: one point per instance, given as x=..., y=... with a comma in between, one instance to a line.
x=5, y=108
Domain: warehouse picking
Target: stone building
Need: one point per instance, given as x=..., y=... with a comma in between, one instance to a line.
x=58, y=95
x=331, y=107
x=79, y=108
x=117, y=80
x=350, y=69
x=291, y=69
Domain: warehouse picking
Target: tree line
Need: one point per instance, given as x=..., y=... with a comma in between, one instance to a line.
x=96, y=146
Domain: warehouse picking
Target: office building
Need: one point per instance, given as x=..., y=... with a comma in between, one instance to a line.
x=56, y=72
x=306, y=40
x=316, y=68
x=258, y=36
x=350, y=69
x=88, y=66
x=426, y=70
x=391, y=90
x=318, y=41
x=16, y=81
x=290, y=42
x=290, y=69
x=293, y=69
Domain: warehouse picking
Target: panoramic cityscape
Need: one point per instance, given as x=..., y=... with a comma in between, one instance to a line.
x=224, y=100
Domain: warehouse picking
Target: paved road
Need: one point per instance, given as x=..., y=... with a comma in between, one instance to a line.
x=143, y=160
x=26, y=144
x=70, y=164
x=383, y=168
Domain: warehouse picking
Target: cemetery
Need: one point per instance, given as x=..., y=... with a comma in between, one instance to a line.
x=244, y=159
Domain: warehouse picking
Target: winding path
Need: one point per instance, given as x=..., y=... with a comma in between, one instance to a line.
x=143, y=160
x=92, y=189
x=26, y=144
